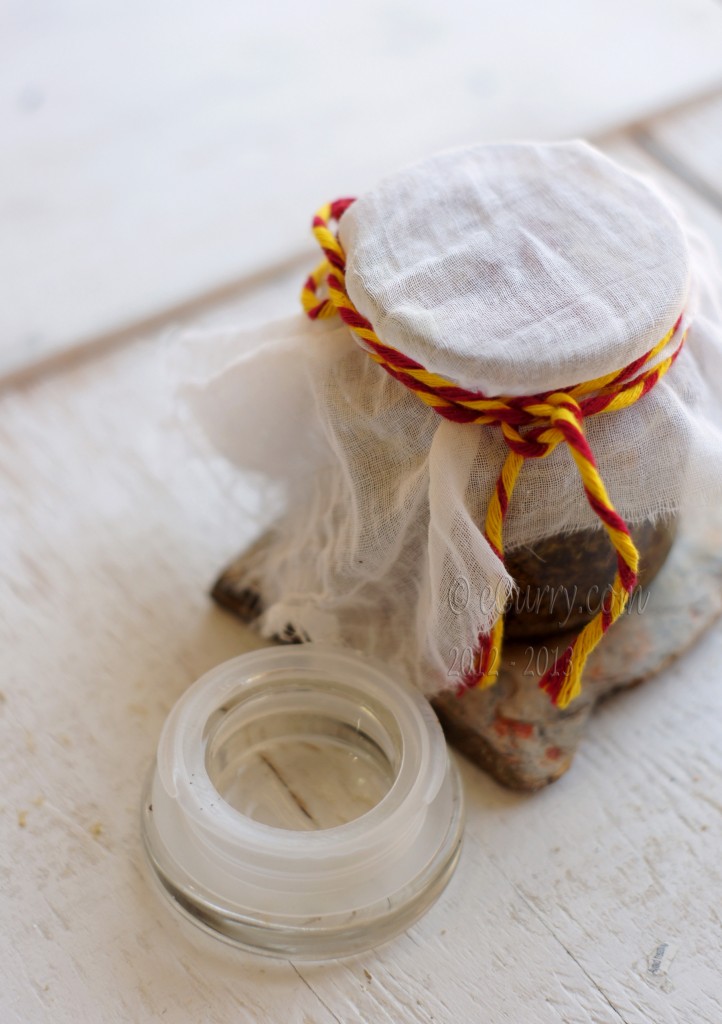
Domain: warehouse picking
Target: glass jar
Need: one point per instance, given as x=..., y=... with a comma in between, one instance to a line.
x=562, y=580
x=302, y=803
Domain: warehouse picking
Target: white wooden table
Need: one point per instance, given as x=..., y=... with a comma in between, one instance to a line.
x=597, y=900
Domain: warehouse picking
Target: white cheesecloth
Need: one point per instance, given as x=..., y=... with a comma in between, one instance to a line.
x=510, y=269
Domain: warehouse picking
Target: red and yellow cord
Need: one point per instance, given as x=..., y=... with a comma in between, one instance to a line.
x=548, y=420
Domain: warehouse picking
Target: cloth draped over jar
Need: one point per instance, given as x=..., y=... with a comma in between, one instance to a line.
x=506, y=270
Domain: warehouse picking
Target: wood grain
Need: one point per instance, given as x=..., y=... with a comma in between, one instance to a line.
x=594, y=901
x=689, y=144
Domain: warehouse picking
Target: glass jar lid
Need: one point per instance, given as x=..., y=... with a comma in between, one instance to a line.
x=302, y=803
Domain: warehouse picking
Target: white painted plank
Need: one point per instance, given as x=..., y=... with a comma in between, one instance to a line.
x=151, y=153
x=93, y=660
x=690, y=143
x=696, y=210
x=111, y=528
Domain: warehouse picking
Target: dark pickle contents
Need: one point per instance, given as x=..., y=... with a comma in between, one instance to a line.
x=562, y=580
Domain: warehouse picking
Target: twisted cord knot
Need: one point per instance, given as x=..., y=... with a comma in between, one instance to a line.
x=547, y=420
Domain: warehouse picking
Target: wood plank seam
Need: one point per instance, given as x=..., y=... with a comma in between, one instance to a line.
x=313, y=991
x=677, y=166
x=87, y=349
x=528, y=903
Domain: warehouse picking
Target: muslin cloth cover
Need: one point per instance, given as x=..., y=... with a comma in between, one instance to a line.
x=510, y=269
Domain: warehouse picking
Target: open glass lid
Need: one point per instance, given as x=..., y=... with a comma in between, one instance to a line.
x=302, y=803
